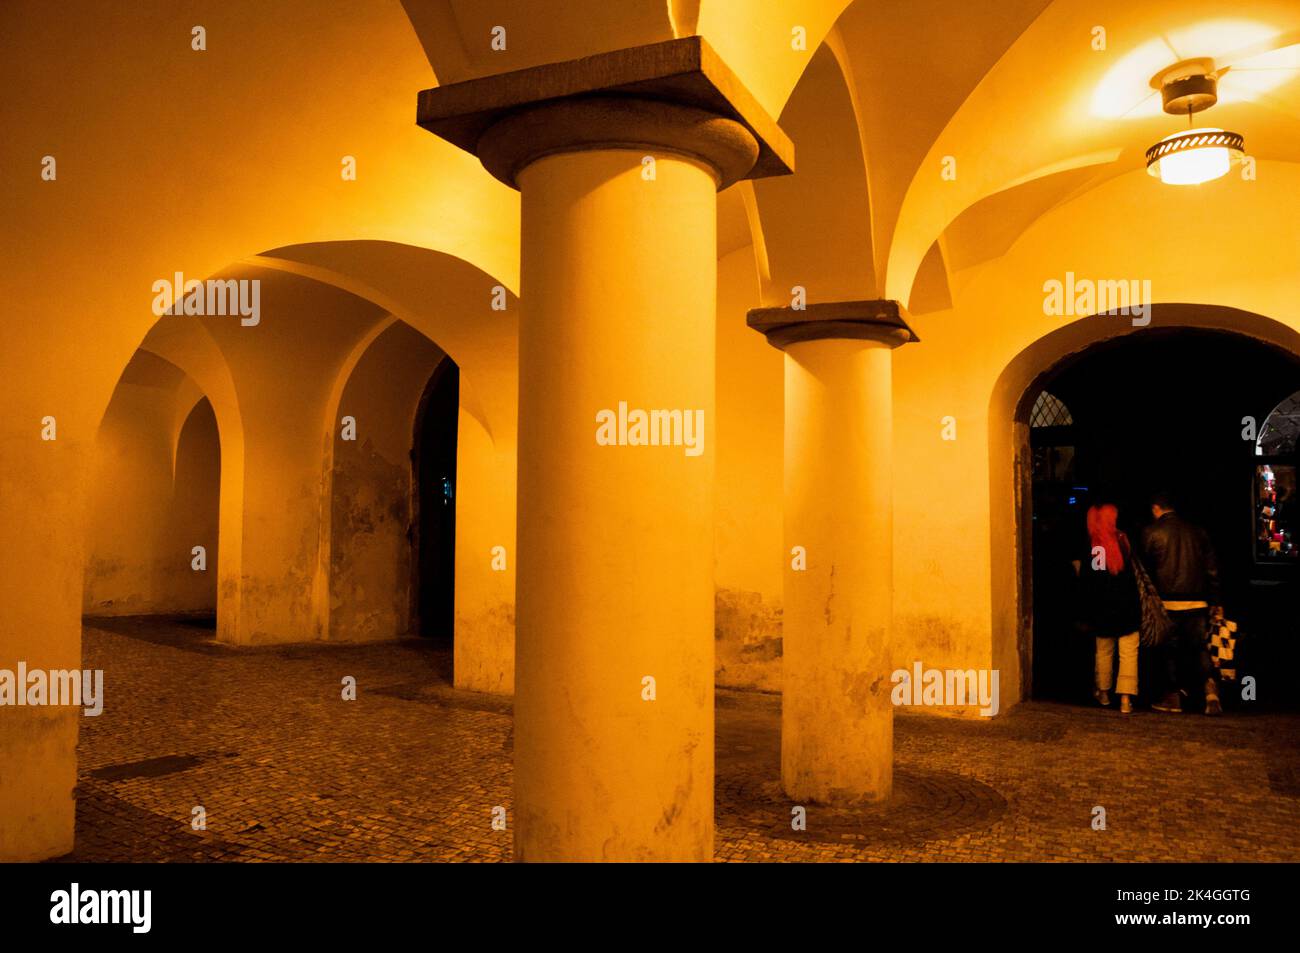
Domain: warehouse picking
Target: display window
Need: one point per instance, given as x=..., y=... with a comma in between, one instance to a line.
x=1275, y=500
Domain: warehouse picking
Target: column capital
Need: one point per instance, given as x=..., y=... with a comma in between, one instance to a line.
x=676, y=96
x=880, y=320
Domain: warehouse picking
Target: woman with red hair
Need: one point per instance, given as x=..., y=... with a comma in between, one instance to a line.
x=1110, y=605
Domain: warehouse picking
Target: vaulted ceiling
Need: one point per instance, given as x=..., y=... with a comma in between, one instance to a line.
x=1026, y=104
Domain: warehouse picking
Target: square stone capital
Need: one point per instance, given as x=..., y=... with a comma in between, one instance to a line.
x=683, y=72
x=881, y=320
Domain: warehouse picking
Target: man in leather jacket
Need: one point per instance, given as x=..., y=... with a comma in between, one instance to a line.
x=1183, y=568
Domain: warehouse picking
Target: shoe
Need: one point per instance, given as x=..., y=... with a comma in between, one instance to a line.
x=1126, y=704
x=1173, y=703
x=1212, y=704
x=1103, y=698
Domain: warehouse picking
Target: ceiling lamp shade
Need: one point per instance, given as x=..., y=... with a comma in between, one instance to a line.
x=1190, y=158
x=1195, y=155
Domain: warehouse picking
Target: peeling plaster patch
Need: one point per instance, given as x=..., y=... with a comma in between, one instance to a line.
x=370, y=548
x=748, y=649
x=942, y=641
x=858, y=687
x=288, y=597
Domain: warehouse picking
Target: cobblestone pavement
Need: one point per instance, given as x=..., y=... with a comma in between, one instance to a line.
x=411, y=770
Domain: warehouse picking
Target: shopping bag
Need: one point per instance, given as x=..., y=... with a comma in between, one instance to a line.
x=1223, y=648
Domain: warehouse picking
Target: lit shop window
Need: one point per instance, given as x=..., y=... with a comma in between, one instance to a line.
x=1277, y=509
x=1275, y=512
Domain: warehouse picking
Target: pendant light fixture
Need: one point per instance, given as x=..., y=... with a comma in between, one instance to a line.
x=1194, y=155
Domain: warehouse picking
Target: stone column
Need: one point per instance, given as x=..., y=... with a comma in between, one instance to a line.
x=837, y=721
x=618, y=158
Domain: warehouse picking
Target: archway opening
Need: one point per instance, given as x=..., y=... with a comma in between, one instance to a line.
x=153, y=519
x=195, y=517
x=434, y=479
x=1174, y=409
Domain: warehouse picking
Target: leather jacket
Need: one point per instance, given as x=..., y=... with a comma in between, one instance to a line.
x=1181, y=560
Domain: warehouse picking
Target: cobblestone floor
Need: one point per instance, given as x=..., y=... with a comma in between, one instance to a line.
x=411, y=769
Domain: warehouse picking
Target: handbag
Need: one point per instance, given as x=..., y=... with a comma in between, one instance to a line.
x=1156, y=624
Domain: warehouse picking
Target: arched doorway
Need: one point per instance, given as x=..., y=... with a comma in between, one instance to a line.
x=434, y=481
x=1169, y=409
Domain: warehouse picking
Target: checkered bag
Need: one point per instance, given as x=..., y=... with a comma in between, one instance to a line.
x=1223, y=646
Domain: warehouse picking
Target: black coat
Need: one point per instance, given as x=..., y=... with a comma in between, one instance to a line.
x=1109, y=605
x=1181, y=560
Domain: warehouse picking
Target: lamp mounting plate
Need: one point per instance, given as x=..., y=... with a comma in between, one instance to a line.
x=1188, y=86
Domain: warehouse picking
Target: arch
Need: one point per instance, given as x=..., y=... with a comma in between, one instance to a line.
x=446, y=298
x=195, y=513
x=1039, y=84
x=363, y=288
x=155, y=496
x=756, y=41
x=1010, y=404
x=367, y=513
x=1281, y=428
x=817, y=223
x=473, y=318
x=370, y=534
x=188, y=345
x=904, y=101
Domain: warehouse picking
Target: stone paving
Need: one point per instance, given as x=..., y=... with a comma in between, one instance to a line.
x=411, y=770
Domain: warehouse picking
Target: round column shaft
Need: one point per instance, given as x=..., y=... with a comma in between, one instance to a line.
x=837, y=719
x=614, y=645
x=837, y=722
x=618, y=157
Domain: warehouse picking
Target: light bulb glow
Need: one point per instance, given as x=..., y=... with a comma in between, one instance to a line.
x=1198, y=163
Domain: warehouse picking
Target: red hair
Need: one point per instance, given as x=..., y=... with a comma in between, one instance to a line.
x=1103, y=533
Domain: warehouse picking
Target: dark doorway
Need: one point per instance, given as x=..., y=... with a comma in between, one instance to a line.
x=1163, y=409
x=434, y=459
